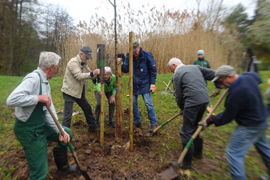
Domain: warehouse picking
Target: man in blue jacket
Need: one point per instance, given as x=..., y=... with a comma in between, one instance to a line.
x=144, y=79
x=244, y=104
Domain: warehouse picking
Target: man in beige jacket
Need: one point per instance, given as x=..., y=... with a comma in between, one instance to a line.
x=75, y=86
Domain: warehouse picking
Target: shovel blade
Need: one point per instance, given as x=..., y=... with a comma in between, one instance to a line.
x=164, y=92
x=149, y=134
x=169, y=174
x=84, y=173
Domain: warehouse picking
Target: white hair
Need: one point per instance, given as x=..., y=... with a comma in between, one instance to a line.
x=46, y=59
x=175, y=61
x=108, y=69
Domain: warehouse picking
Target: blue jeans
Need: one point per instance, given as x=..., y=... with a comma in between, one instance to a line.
x=241, y=140
x=150, y=109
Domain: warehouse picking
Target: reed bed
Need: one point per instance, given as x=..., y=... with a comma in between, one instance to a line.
x=165, y=33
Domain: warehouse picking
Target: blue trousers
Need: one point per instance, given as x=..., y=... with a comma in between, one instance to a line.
x=150, y=109
x=240, y=142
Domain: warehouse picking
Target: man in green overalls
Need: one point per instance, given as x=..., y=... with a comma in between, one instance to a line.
x=34, y=125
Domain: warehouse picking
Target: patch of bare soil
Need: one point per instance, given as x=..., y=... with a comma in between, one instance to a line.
x=110, y=161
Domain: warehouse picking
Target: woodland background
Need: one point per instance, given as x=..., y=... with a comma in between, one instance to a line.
x=28, y=27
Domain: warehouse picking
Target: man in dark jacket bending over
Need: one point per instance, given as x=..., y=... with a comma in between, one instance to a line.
x=244, y=104
x=192, y=97
x=144, y=80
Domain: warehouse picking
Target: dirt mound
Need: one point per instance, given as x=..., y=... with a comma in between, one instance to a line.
x=79, y=124
x=110, y=161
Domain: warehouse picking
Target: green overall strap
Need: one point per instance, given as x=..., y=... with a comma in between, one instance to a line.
x=40, y=84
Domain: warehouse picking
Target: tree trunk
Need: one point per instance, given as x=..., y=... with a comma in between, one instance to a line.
x=12, y=36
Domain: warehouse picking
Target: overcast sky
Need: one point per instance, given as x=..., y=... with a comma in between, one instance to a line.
x=83, y=9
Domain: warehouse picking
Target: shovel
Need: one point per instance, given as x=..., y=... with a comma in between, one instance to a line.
x=163, y=124
x=167, y=86
x=169, y=120
x=172, y=172
x=82, y=169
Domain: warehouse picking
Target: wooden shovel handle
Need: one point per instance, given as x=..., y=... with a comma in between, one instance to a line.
x=199, y=129
x=62, y=133
x=166, y=122
x=56, y=121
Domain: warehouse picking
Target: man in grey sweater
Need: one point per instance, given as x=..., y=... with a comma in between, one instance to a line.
x=33, y=123
x=191, y=95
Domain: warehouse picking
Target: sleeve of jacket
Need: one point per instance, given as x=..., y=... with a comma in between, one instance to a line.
x=91, y=73
x=209, y=74
x=195, y=63
x=114, y=84
x=176, y=80
x=230, y=112
x=208, y=65
x=152, y=68
x=125, y=65
x=97, y=87
x=77, y=73
x=22, y=96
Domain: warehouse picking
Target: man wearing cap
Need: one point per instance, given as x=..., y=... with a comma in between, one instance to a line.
x=201, y=61
x=191, y=96
x=144, y=80
x=244, y=104
x=75, y=85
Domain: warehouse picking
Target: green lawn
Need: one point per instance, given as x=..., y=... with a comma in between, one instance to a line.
x=214, y=164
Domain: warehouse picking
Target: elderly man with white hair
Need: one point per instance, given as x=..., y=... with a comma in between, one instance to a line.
x=109, y=88
x=191, y=95
x=34, y=124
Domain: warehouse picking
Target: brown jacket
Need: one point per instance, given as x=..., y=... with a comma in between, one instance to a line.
x=76, y=76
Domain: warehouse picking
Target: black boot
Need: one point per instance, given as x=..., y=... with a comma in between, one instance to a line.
x=112, y=124
x=61, y=161
x=186, y=164
x=198, y=146
x=137, y=125
x=97, y=122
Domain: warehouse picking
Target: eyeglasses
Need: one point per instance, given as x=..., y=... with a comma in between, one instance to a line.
x=220, y=80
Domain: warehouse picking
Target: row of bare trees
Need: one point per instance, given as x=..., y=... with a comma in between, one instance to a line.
x=26, y=29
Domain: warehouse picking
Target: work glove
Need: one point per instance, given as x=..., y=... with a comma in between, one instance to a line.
x=216, y=92
x=152, y=88
x=119, y=60
x=205, y=124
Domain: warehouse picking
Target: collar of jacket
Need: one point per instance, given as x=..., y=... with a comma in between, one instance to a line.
x=109, y=79
x=79, y=59
x=201, y=59
x=140, y=55
x=42, y=75
x=177, y=67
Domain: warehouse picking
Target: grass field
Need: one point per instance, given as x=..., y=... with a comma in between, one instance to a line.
x=166, y=144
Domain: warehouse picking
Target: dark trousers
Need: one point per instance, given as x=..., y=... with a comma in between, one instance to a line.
x=191, y=117
x=111, y=107
x=86, y=107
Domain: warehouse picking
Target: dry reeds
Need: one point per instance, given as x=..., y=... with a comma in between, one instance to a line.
x=165, y=33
